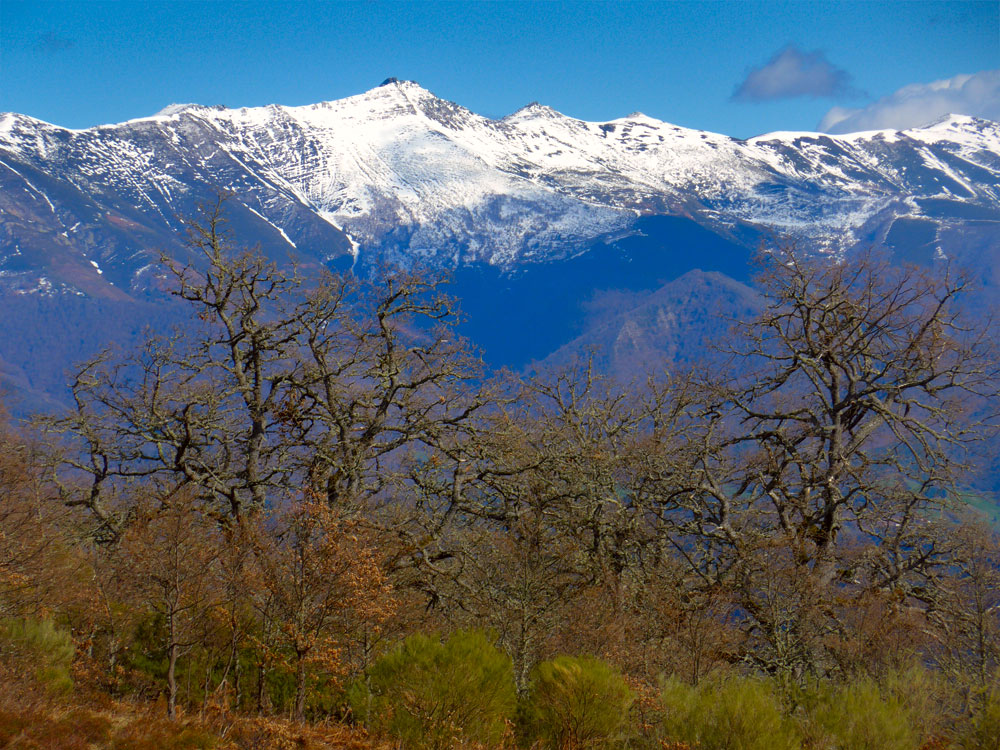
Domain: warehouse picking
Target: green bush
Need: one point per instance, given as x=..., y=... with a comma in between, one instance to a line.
x=575, y=702
x=861, y=716
x=726, y=713
x=433, y=694
x=927, y=696
x=983, y=730
x=40, y=646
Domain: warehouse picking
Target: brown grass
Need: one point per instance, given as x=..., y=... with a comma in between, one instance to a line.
x=32, y=719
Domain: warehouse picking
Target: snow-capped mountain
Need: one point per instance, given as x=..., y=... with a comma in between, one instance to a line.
x=397, y=173
x=534, y=214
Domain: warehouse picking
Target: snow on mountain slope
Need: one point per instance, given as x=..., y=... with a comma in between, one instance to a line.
x=400, y=174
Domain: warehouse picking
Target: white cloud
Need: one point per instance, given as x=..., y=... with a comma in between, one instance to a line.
x=791, y=73
x=920, y=104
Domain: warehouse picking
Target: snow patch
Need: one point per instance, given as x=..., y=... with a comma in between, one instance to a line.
x=280, y=230
x=32, y=187
x=355, y=248
x=175, y=109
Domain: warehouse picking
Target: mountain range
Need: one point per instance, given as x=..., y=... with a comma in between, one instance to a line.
x=541, y=219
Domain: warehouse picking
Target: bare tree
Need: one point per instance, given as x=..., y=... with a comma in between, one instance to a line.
x=826, y=457
x=556, y=507
x=168, y=560
x=35, y=566
x=964, y=605
x=285, y=384
x=316, y=581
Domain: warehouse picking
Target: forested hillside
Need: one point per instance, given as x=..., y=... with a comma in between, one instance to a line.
x=311, y=517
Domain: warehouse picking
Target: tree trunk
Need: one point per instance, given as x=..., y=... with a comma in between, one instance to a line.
x=237, y=686
x=300, y=688
x=204, y=690
x=172, y=679
x=263, y=704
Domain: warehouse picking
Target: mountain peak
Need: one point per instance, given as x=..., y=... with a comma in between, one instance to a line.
x=176, y=109
x=393, y=81
x=393, y=88
x=954, y=120
x=534, y=110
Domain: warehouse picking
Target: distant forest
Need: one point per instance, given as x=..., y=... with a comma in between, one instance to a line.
x=310, y=517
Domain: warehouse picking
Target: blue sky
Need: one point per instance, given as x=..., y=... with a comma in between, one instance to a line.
x=740, y=68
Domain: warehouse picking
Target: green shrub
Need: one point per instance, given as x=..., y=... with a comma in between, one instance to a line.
x=575, y=702
x=983, y=730
x=726, y=713
x=927, y=696
x=41, y=647
x=861, y=716
x=435, y=695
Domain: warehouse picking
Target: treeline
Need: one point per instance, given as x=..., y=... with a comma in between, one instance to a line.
x=314, y=509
